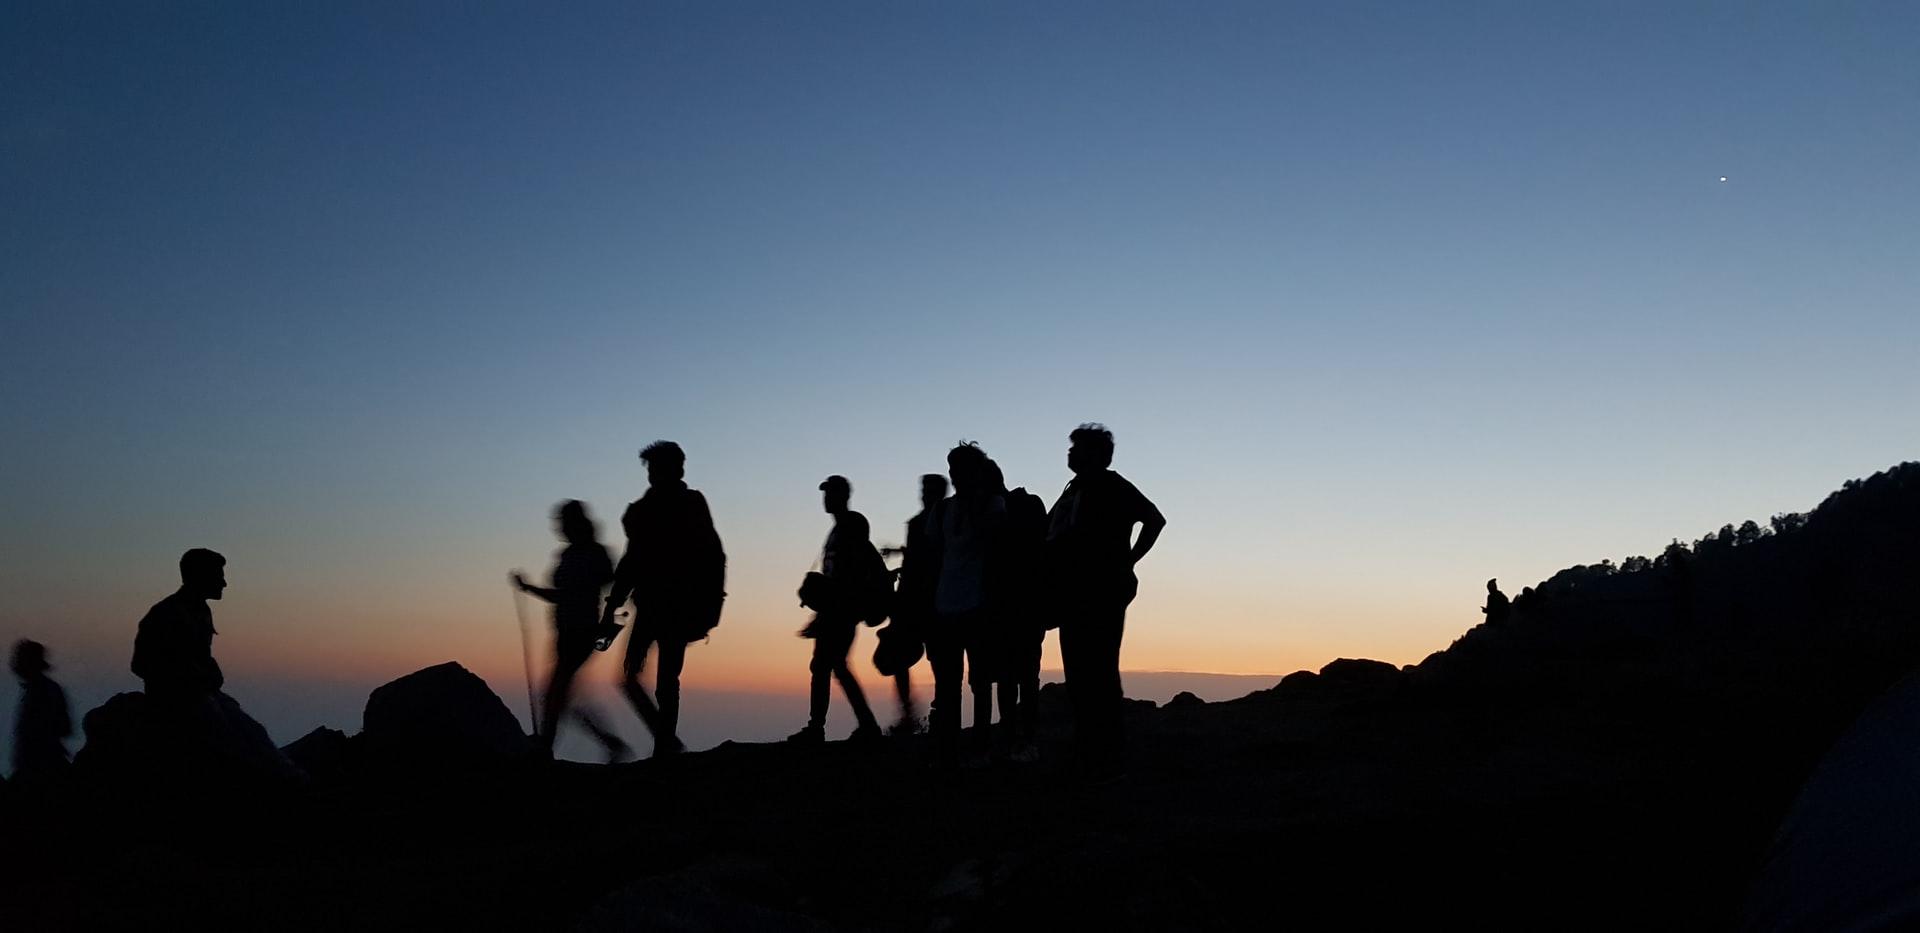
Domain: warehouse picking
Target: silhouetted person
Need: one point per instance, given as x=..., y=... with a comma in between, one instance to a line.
x=1091, y=553
x=1023, y=627
x=42, y=723
x=969, y=527
x=580, y=575
x=913, y=603
x=676, y=573
x=173, y=650
x=853, y=574
x=173, y=656
x=1498, y=608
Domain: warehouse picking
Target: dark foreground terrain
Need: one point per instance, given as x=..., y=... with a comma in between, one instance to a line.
x=1620, y=754
x=1319, y=805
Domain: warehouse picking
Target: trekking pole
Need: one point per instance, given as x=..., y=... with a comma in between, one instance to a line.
x=526, y=656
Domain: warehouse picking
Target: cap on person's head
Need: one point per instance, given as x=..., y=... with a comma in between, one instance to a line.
x=836, y=481
x=29, y=657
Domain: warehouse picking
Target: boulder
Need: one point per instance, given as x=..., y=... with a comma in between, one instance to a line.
x=1185, y=700
x=1296, y=683
x=202, y=745
x=441, y=715
x=1360, y=672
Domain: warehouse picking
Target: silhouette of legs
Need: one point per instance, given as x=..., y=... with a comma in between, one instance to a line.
x=1090, y=652
x=983, y=669
x=830, y=648
x=947, y=658
x=909, y=715
x=567, y=662
x=1024, y=676
x=662, y=720
x=571, y=651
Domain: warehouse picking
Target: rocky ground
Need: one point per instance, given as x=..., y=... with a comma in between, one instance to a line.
x=1355, y=798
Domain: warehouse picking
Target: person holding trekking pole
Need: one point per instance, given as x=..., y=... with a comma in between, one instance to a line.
x=581, y=573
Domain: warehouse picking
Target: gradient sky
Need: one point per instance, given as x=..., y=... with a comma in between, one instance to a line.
x=1381, y=300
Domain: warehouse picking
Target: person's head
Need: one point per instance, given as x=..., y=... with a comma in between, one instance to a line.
x=966, y=464
x=574, y=524
x=933, y=488
x=836, y=493
x=1090, y=448
x=666, y=462
x=203, y=573
x=1493, y=585
x=29, y=659
x=991, y=479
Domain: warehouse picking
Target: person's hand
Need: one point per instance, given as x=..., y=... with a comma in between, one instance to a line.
x=519, y=581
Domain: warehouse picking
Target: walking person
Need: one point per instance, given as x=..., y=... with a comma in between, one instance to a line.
x=904, y=638
x=850, y=583
x=43, y=722
x=1091, y=554
x=580, y=575
x=675, y=571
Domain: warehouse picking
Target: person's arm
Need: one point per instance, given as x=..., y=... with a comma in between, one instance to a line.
x=1151, y=522
x=546, y=593
x=622, y=585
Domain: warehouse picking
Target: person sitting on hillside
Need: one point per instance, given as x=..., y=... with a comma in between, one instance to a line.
x=173, y=656
x=173, y=649
x=1498, y=608
x=43, y=721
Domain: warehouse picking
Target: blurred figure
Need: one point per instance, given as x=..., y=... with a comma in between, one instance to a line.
x=970, y=522
x=676, y=573
x=1498, y=607
x=905, y=637
x=1023, y=619
x=1091, y=553
x=173, y=650
x=42, y=723
x=580, y=575
x=851, y=580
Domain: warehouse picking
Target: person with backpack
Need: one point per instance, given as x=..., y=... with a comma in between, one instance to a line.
x=850, y=588
x=1091, y=553
x=580, y=575
x=675, y=572
x=970, y=522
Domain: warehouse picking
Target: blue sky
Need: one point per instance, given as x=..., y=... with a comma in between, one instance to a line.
x=1381, y=299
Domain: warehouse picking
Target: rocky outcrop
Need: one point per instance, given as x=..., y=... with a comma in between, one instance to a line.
x=442, y=716
x=204, y=745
